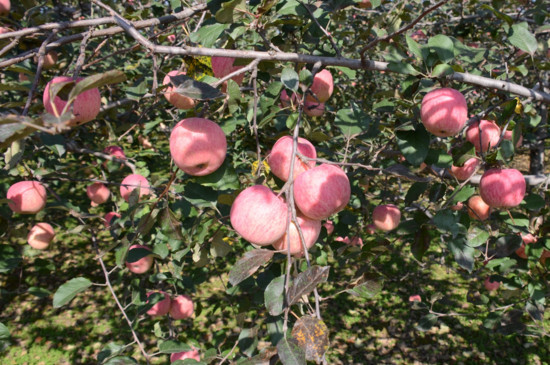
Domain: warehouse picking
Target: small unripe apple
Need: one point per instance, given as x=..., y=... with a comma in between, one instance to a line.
x=386, y=217
x=418, y=35
x=160, y=308
x=491, y=285
x=464, y=172
x=179, y=101
x=478, y=209
x=415, y=298
x=132, y=182
x=457, y=206
x=145, y=143
x=279, y=159
x=182, y=307
x=40, y=236
x=490, y=135
x=310, y=229
x=322, y=191
x=314, y=108
x=192, y=354
x=171, y=38
x=27, y=197
x=143, y=264
x=508, y=136
x=322, y=87
x=329, y=226
x=5, y=6
x=502, y=188
x=115, y=151
x=527, y=240
x=50, y=60
x=98, y=193
x=198, y=146
x=85, y=107
x=223, y=66
x=444, y=112
x=109, y=217
x=258, y=215
x=370, y=229
x=287, y=101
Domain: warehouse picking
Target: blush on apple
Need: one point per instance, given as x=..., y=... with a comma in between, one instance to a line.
x=132, y=182
x=478, y=209
x=444, y=112
x=143, y=264
x=179, y=101
x=40, y=236
x=115, y=151
x=322, y=191
x=27, y=197
x=109, y=218
x=182, y=307
x=386, y=217
x=280, y=157
x=310, y=229
x=198, y=146
x=322, y=87
x=490, y=135
x=5, y=6
x=502, y=188
x=161, y=307
x=98, y=193
x=192, y=354
x=258, y=215
x=464, y=172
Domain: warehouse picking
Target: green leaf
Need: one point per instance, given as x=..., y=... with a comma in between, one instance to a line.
x=219, y=248
x=415, y=48
x=533, y=202
x=506, y=245
x=66, y=292
x=224, y=178
x=96, y=81
x=477, y=237
x=9, y=258
x=171, y=225
x=290, y=78
x=464, y=254
x=249, y=264
x=136, y=254
x=232, y=11
x=121, y=360
x=110, y=350
x=421, y=243
x=186, y=86
x=274, y=296
x=290, y=353
x=4, y=332
x=520, y=37
x=415, y=191
x=39, y=292
x=402, y=68
x=306, y=281
x=170, y=347
x=463, y=153
x=464, y=194
x=443, y=69
x=207, y=35
x=426, y=322
x=414, y=145
x=368, y=288
x=443, y=47
x=352, y=121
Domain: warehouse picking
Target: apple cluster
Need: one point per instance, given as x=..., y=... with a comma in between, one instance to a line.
x=319, y=92
x=180, y=307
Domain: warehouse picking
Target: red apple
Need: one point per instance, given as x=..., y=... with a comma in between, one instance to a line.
x=171, y=38
x=314, y=108
x=386, y=217
x=457, y=206
x=287, y=101
x=418, y=35
x=527, y=239
x=160, y=308
x=5, y=6
x=198, y=146
x=182, y=307
x=223, y=66
x=502, y=188
x=85, y=107
x=310, y=229
x=27, y=197
x=115, y=151
x=509, y=134
x=490, y=134
x=329, y=226
x=279, y=158
x=465, y=171
x=371, y=229
x=22, y=77
x=40, y=236
x=142, y=265
x=322, y=87
x=444, y=112
x=179, y=101
x=322, y=191
x=192, y=354
x=491, y=285
x=98, y=193
x=415, y=298
x=478, y=209
x=258, y=215
x=132, y=182
x=109, y=217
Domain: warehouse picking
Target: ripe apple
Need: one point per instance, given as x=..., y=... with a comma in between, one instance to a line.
x=355, y=241
x=198, y=146
x=223, y=66
x=115, y=151
x=418, y=35
x=502, y=188
x=371, y=228
x=182, y=307
x=27, y=197
x=322, y=87
x=192, y=354
x=444, y=112
x=40, y=236
x=464, y=172
x=85, y=107
x=509, y=134
x=478, y=209
x=329, y=226
x=109, y=217
x=179, y=101
x=160, y=308
x=490, y=135
x=5, y=6
x=279, y=158
x=415, y=298
x=258, y=215
x=98, y=193
x=50, y=60
x=142, y=265
x=171, y=38
x=527, y=239
x=287, y=101
x=322, y=191
x=132, y=182
x=491, y=285
x=314, y=108
x=457, y=206
x=386, y=217
x=310, y=228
